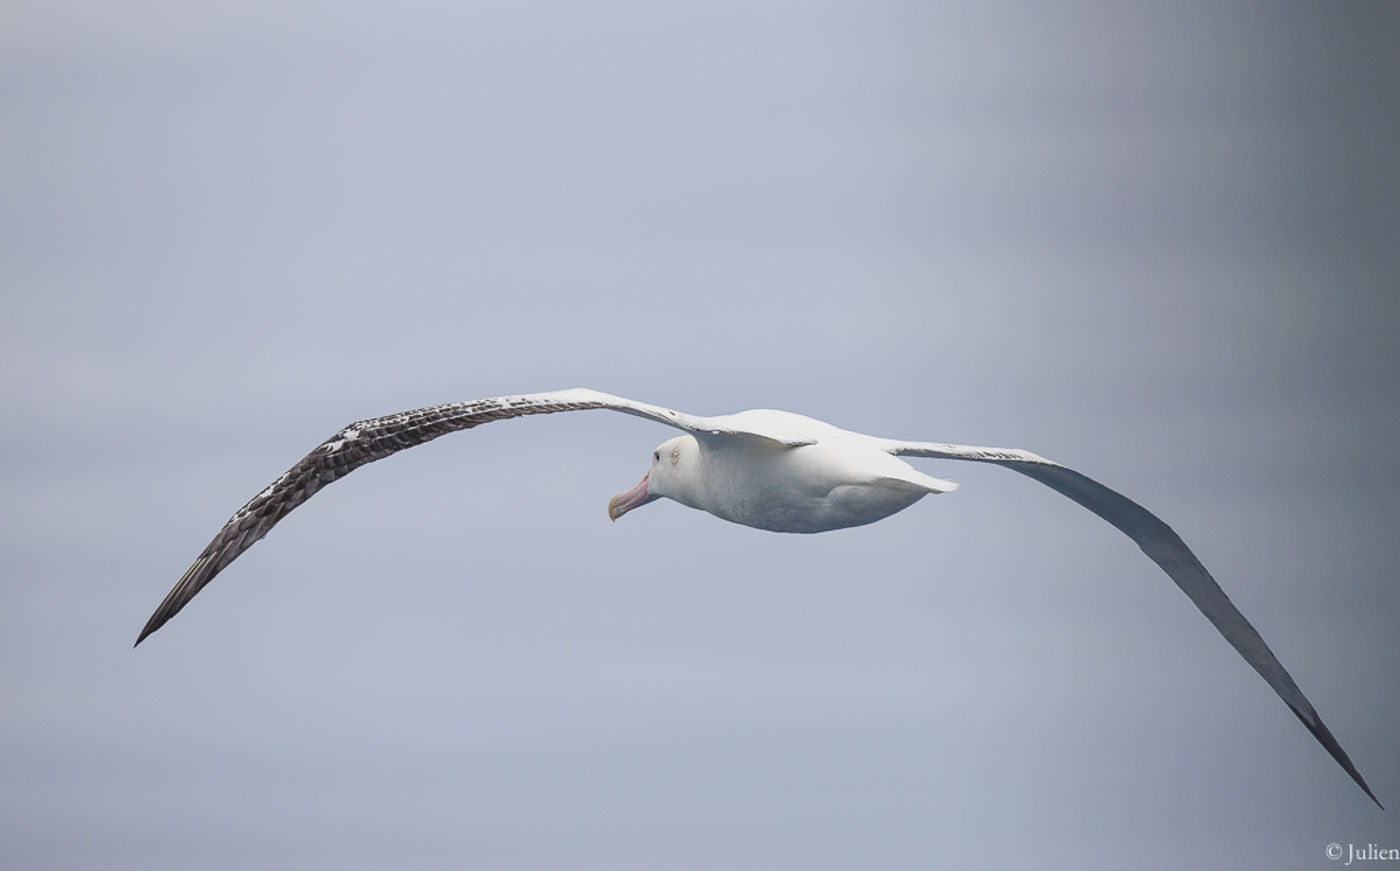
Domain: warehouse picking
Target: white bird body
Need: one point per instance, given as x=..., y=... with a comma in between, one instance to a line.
x=771, y=470
x=835, y=480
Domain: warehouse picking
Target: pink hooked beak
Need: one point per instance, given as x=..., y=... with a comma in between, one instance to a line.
x=634, y=498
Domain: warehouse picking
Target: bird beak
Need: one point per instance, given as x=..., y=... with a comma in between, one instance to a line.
x=634, y=498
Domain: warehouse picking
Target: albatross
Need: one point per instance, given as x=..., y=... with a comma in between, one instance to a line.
x=772, y=470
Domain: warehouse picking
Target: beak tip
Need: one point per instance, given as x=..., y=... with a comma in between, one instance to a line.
x=625, y=502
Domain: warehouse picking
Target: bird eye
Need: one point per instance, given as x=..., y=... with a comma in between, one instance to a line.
x=656, y=456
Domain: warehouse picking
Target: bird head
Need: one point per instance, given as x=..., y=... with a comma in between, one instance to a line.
x=671, y=463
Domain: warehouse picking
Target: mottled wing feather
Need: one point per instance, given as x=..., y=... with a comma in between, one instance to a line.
x=1165, y=548
x=368, y=440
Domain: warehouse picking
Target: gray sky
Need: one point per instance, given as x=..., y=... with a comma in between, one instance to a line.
x=1157, y=245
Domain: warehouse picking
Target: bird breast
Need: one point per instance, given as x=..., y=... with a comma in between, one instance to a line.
x=810, y=488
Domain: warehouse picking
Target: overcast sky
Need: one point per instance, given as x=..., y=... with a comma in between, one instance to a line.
x=1158, y=245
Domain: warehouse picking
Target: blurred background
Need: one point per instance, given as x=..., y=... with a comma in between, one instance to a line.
x=1156, y=244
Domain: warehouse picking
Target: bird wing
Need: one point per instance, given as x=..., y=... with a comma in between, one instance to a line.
x=368, y=440
x=1164, y=547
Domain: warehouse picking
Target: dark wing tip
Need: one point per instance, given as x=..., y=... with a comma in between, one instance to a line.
x=200, y=573
x=161, y=616
x=1329, y=742
x=151, y=626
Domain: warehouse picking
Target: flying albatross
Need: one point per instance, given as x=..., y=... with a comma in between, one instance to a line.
x=771, y=470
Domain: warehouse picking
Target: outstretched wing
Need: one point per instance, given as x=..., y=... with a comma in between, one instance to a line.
x=1167, y=550
x=368, y=440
